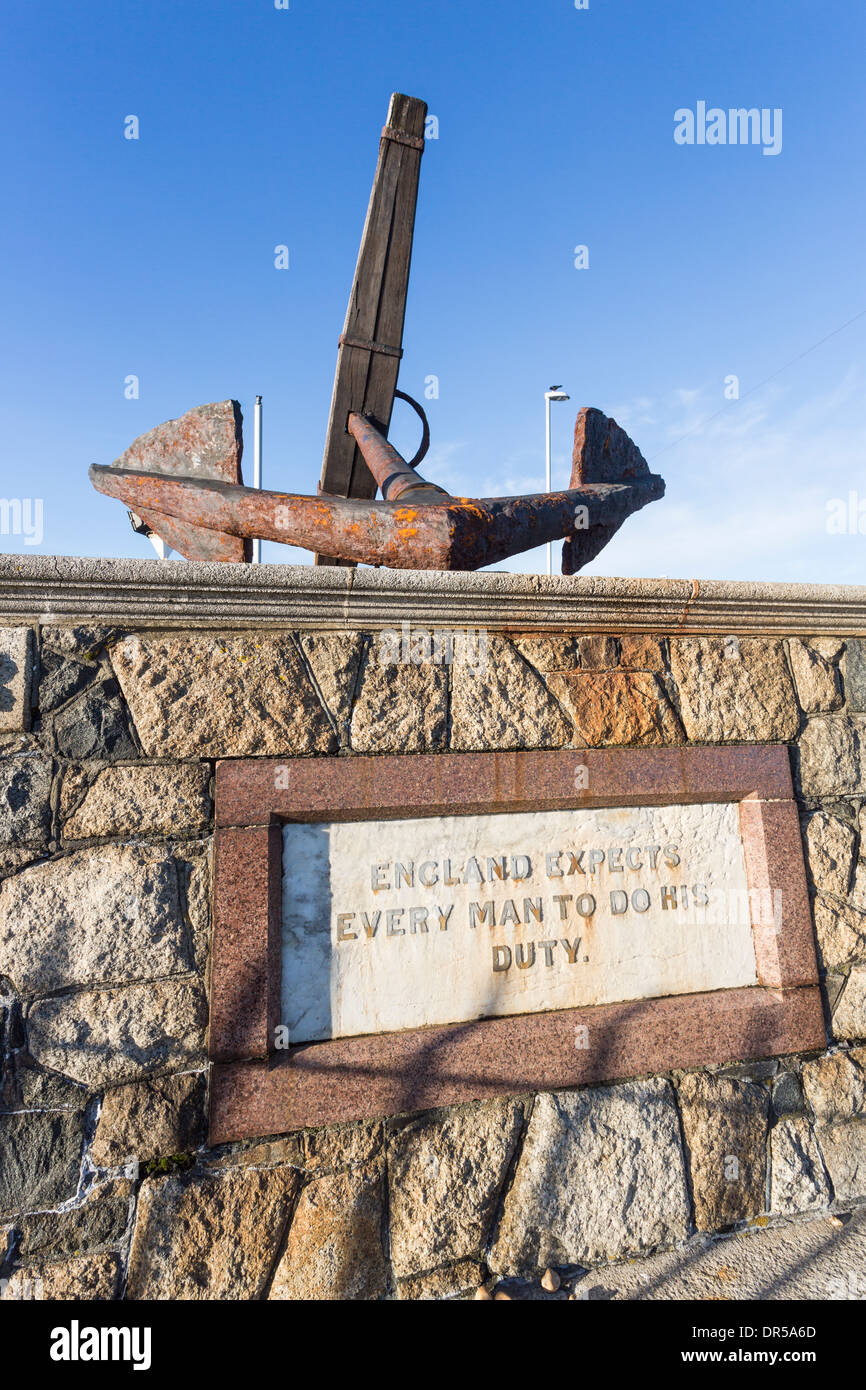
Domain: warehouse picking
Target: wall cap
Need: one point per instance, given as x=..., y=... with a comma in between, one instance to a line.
x=135, y=594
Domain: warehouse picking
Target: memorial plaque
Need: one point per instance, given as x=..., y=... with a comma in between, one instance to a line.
x=397, y=933
x=405, y=924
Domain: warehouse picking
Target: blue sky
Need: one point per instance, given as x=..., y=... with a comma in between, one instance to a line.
x=259, y=127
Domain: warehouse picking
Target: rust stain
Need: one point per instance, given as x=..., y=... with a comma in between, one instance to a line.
x=696, y=589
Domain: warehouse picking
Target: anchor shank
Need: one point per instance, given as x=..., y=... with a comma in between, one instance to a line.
x=393, y=474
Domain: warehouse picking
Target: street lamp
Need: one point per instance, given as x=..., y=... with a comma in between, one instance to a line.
x=555, y=393
x=257, y=467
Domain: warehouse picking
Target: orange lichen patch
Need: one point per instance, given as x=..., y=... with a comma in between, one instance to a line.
x=473, y=509
x=403, y=518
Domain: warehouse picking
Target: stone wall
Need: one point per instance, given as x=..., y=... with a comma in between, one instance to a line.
x=746, y=1181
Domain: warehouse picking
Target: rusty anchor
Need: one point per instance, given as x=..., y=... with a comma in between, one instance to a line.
x=183, y=480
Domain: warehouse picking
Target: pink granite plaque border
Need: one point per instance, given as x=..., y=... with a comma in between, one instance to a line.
x=245, y=954
x=256, y=1090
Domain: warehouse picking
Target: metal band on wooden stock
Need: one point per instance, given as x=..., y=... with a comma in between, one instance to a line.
x=346, y=340
x=402, y=137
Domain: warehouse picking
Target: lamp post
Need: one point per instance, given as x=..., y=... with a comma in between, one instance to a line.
x=555, y=393
x=257, y=467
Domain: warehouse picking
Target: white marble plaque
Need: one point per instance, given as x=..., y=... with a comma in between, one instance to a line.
x=402, y=924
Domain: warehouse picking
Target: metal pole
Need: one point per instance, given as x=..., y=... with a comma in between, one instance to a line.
x=257, y=467
x=547, y=476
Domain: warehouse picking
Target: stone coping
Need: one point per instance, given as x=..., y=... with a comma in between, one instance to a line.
x=155, y=593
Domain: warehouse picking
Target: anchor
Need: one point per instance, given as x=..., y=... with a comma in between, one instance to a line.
x=183, y=481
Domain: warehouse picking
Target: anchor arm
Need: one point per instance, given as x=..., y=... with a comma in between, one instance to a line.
x=452, y=533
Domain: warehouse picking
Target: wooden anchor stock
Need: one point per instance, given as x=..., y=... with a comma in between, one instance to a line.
x=371, y=344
